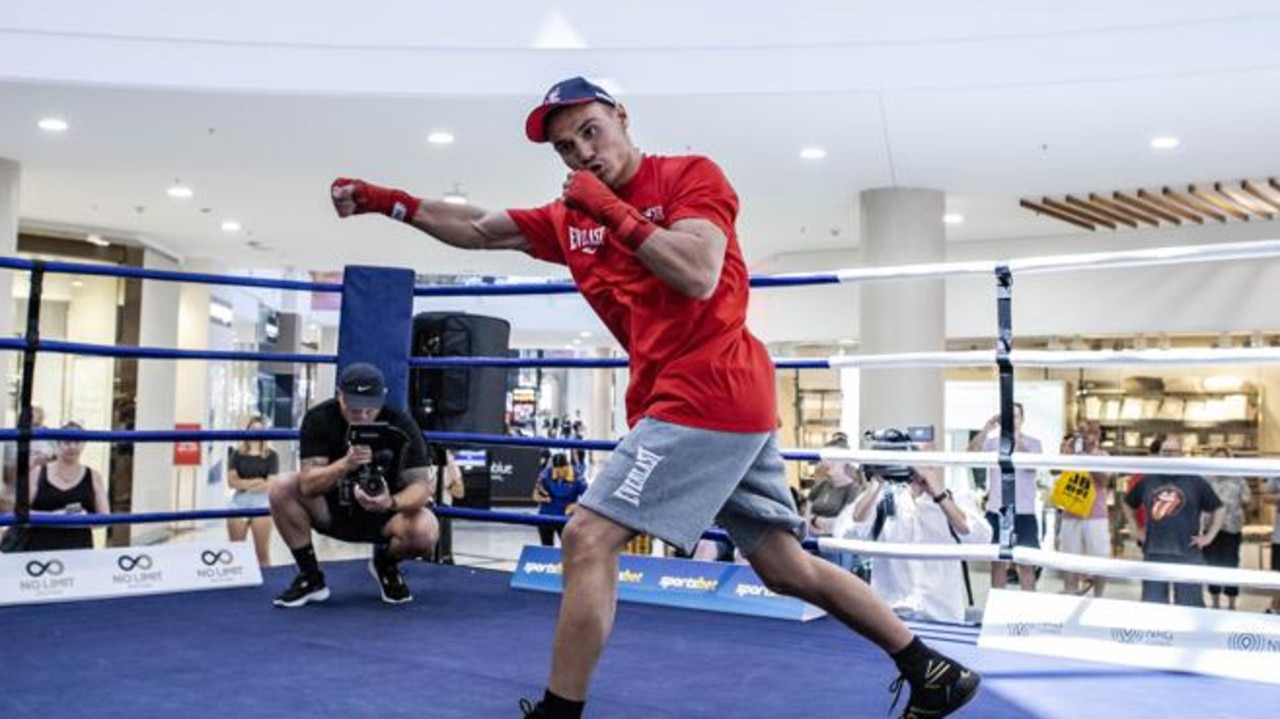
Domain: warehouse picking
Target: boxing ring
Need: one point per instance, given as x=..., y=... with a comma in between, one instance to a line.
x=470, y=646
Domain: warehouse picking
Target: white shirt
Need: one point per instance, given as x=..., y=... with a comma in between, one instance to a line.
x=932, y=589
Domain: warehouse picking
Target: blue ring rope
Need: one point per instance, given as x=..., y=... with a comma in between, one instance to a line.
x=459, y=513
x=201, y=278
x=554, y=287
x=102, y=520
x=97, y=350
x=222, y=435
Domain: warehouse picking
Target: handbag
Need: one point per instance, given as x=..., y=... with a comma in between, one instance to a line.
x=16, y=539
x=1074, y=493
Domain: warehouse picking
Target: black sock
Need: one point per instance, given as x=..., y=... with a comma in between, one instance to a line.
x=382, y=555
x=557, y=707
x=307, y=562
x=911, y=659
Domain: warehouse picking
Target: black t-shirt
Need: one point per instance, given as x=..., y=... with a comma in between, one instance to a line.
x=324, y=434
x=250, y=466
x=1174, y=504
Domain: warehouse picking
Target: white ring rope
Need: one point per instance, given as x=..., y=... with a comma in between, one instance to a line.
x=1151, y=257
x=1075, y=563
x=895, y=550
x=1240, y=467
x=1058, y=358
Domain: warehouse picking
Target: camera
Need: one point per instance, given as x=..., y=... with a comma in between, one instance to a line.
x=895, y=440
x=386, y=442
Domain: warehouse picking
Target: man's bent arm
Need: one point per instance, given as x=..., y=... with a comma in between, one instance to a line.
x=316, y=476
x=688, y=256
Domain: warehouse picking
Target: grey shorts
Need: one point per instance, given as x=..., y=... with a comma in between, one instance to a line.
x=673, y=482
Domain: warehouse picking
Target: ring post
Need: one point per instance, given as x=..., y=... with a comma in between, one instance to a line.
x=22, y=487
x=1004, y=345
x=377, y=325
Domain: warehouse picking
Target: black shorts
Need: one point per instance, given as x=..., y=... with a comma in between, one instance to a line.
x=1026, y=530
x=1275, y=557
x=356, y=525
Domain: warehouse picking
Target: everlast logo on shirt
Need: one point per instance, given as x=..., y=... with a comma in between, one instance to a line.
x=654, y=214
x=586, y=240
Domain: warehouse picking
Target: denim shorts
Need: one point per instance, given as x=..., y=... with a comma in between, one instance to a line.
x=249, y=500
x=672, y=482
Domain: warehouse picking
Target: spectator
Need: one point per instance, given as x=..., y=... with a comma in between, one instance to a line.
x=921, y=511
x=557, y=492
x=327, y=495
x=41, y=453
x=838, y=484
x=1176, y=505
x=1272, y=497
x=1090, y=534
x=1140, y=514
x=61, y=486
x=1026, y=527
x=250, y=468
x=452, y=489
x=1224, y=551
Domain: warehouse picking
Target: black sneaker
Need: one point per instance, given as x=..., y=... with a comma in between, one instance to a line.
x=304, y=590
x=945, y=687
x=531, y=710
x=390, y=581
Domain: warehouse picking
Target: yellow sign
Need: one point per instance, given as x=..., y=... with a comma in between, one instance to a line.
x=1074, y=493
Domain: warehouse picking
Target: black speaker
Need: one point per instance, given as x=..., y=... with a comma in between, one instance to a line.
x=459, y=399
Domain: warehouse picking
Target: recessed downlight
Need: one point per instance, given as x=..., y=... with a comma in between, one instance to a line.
x=180, y=192
x=952, y=218
x=53, y=124
x=1164, y=143
x=231, y=226
x=440, y=138
x=813, y=153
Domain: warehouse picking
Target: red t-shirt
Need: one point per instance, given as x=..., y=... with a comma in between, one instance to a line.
x=693, y=362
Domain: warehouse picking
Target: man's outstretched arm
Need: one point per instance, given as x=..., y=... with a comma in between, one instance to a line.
x=461, y=226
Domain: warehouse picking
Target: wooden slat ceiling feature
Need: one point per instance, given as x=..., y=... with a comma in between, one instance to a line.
x=1221, y=201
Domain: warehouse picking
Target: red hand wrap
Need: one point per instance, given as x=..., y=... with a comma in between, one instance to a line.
x=586, y=193
x=396, y=204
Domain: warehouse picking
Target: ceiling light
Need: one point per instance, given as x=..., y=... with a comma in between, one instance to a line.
x=455, y=196
x=584, y=334
x=53, y=124
x=813, y=153
x=440, y=138
x=77, y=283
x=230, y=226
x=180, y=192
x=953, y=218
x=96, y=239
x=1164, y=143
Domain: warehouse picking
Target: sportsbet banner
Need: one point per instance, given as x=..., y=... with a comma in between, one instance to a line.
x=710, y=586
x=1239, y=645
x=37, y=577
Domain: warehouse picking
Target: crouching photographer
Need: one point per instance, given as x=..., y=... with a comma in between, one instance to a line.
x=912, y=505
x=365, y=477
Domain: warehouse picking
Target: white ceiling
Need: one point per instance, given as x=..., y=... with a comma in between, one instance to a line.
x=257, y=106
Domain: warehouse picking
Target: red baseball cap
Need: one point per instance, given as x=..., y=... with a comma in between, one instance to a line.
x=574, y=91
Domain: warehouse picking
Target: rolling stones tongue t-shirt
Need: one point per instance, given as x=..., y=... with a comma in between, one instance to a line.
x=1174, y=505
